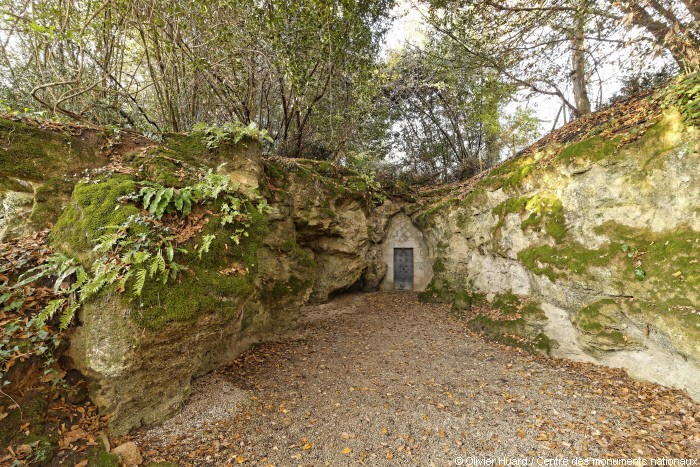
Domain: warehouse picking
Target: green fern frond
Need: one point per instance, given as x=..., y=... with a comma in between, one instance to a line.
x=206, y=243
x=49, y=310
x=141, y=275
x=68, y=315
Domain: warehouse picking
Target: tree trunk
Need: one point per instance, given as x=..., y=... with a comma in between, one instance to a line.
x=579, y=77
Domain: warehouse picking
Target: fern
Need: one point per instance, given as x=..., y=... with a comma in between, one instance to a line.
x=49, y=311
x=141, y=256
x=157, y=264
x=67, y=316
x=206, y=243
x=170, y=252
x=141, y=275
x=121, y=283
x=213, y=135
x=107, y=241
x=130, y=256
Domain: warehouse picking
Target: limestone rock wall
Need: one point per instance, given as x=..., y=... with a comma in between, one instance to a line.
x=319, y=237
x=140, y=356
x=609, y=247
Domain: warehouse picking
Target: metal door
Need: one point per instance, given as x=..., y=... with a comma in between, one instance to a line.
x=403, y=268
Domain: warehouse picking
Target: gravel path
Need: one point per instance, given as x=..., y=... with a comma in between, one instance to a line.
x=381, y=379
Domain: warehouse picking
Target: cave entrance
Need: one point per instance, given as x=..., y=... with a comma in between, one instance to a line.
x=403, y=268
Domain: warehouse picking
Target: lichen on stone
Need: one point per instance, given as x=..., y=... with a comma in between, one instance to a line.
x=601, y=322
x=509, y=319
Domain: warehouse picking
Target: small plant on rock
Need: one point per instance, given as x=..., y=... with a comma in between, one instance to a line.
x=213, y=135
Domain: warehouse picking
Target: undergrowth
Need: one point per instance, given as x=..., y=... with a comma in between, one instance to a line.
x=213, y=135
x=684, y=94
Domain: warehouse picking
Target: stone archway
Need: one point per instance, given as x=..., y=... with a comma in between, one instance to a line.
x=403, y=234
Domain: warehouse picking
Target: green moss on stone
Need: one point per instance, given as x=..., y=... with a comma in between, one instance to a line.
x=31, y=153
x=670, y=259
x=545, y=208
x=44, y=447
x=426, y=218
x=292, y=286
x=509, y=175
x=545, y=213
x=659, y=139
x=10, y=184
x=438, y=266
x=438, y=290
x=601, y=321
x=509, y=206
x=101, y=458
x=564, y=260
x=508, y=303
x=276, y=173
x=162, y=168
x=187, y=147
x=292, y=248
x=466, y=300
x=590, y=318
x=592, y=149
x=521, y=331
x=33, y=411
x=216, y=292
x=93, y=206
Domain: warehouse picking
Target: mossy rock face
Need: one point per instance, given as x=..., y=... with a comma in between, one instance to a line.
x=15, y=208
x=37, y=173
x=297, y=253
x=601, y=326
x=167, y=168
x=546, y=213
x=189, y=148
x=659, y=139
x=511, y=320
x=44, y=447
x=192, y=149
x=439, y=290
x=566, y=261
x=466, y=300
x=593, y=149
x=218, y=292
x=668, y=295
x=34, y=154
x=49, y=200
x=93, y=206
x=511, y=174
x=101, y=458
